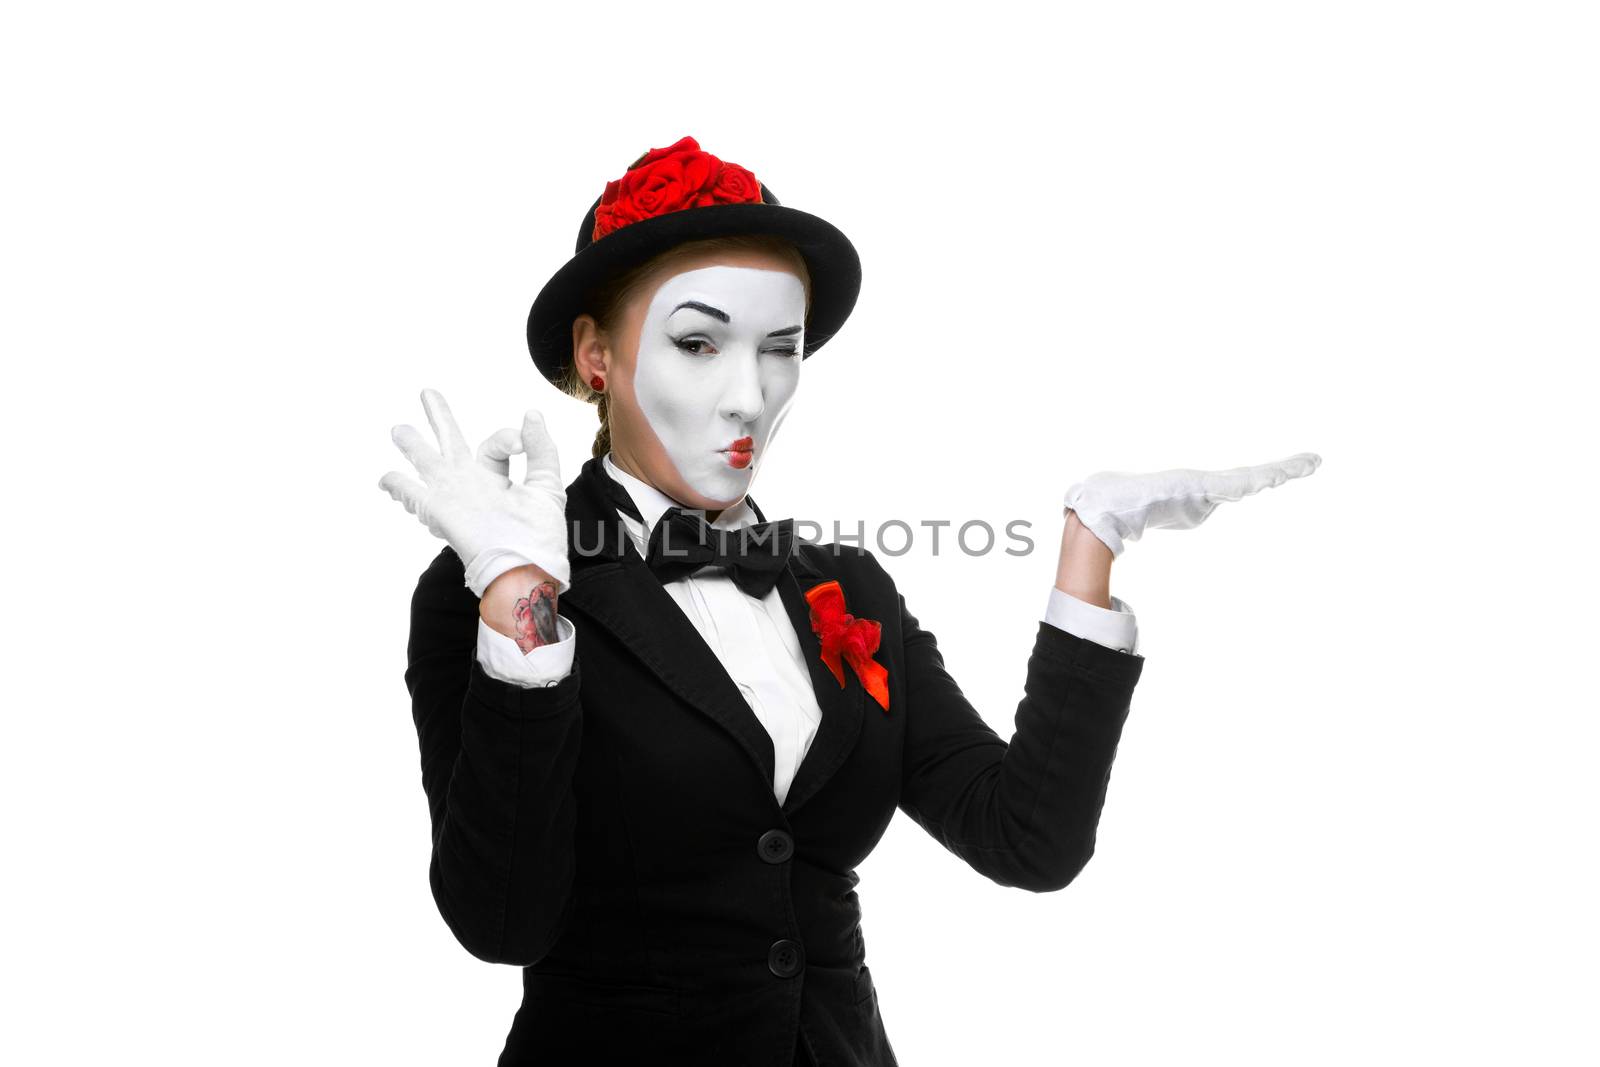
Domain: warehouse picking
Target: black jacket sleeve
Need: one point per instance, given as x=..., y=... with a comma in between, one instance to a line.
x=1022, y=813
x=497, y=765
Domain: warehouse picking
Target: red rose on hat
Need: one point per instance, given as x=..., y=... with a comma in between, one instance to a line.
x=682, y=144
x=671, y=179
x=671, y=182
x=614, y=211
x=735, y=185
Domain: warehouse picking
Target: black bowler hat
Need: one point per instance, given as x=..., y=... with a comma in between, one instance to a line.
x=677, y=194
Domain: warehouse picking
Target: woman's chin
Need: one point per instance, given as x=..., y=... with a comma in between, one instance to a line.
x=723, y=488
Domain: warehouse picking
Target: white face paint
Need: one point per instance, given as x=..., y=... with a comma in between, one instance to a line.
x=715, y=380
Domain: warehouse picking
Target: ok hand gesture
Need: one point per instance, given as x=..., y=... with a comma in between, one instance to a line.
x=493, y=523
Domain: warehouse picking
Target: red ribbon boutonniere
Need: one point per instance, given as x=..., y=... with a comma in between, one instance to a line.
x=846, y=637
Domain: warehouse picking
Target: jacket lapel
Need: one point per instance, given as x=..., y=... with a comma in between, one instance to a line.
x=612, y=585
x=841, y=706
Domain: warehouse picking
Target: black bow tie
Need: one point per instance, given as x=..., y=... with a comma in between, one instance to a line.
x=682, y=542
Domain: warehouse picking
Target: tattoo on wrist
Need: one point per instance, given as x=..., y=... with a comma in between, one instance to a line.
x=535, y=617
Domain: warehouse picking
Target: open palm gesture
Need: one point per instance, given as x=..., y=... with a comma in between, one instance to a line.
x=1118, y=506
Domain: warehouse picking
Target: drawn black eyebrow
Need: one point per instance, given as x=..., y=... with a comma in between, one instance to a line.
x=704, y=308
x=723, y=316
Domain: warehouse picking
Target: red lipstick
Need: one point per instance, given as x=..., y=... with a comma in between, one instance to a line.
x=741, y=453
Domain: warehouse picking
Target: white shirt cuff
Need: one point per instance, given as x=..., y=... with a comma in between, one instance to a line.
x=543, y=666
x=1114, y=627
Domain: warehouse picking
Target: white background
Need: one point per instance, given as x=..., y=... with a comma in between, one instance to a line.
x=1353, y=815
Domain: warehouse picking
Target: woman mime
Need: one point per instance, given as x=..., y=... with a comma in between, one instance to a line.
x=659, y=731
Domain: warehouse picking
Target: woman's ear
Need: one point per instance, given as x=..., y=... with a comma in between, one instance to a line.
x=590, y=350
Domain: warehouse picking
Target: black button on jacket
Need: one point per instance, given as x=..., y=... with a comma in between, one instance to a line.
x=617, y=837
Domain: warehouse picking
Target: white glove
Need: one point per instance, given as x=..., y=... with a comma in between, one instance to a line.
x=493, y=523
x=1117, y=506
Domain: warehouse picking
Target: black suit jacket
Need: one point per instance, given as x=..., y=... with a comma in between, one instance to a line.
x=616, y=835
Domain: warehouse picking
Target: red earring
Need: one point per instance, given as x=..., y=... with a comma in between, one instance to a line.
x=597, y=383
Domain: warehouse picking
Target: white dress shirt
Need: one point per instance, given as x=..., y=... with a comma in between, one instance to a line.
x=753, y=637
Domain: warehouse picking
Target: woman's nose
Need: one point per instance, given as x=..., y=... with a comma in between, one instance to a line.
x=742, y=397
